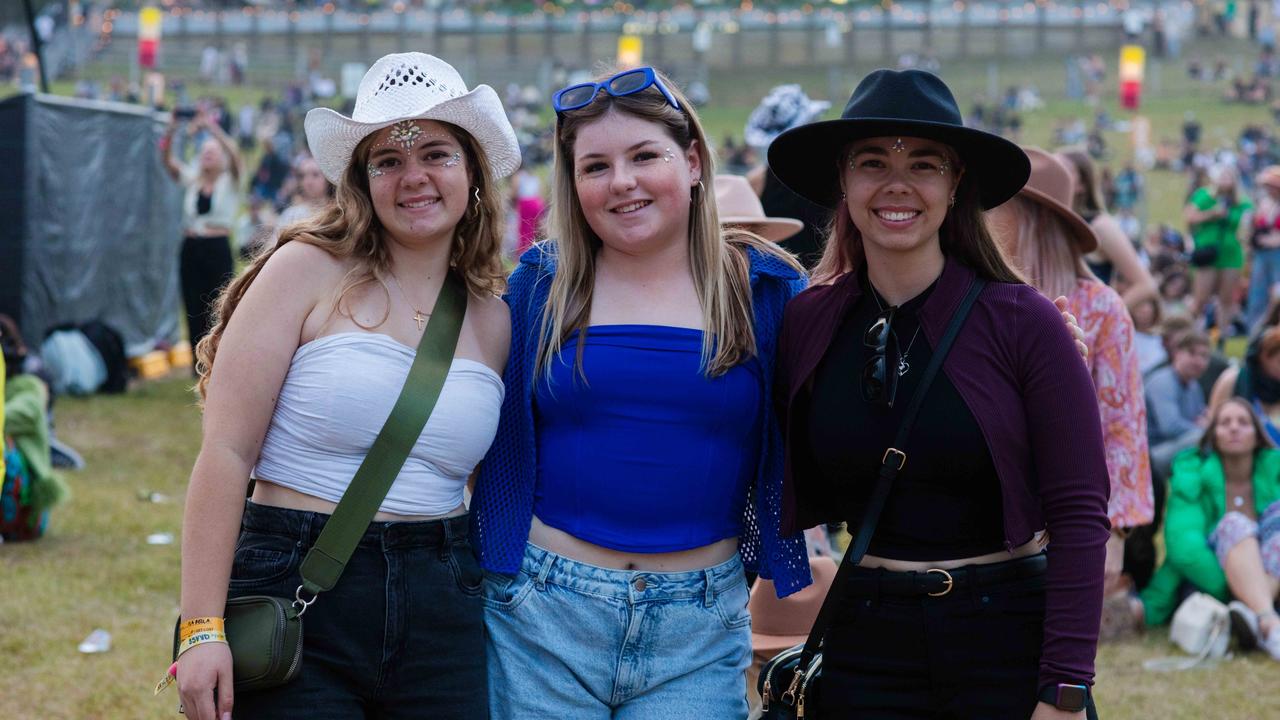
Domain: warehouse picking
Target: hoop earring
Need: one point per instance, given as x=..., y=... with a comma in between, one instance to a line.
x=474, y=211
x=702, y=188
x=952, y=202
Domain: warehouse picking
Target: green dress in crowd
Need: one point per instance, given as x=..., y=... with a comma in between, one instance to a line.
x=1220, y=232
x=1197, y=501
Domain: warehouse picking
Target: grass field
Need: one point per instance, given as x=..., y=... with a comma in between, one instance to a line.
x=95, y=568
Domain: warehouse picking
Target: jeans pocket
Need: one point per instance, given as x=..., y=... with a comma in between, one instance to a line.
x=731, y=604
x=505, y=592
x=262, y=559
x=466, y=571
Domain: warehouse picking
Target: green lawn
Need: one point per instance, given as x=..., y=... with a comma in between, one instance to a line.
x=94, y=569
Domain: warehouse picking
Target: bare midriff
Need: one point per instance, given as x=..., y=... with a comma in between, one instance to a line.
x=562, y=543
x=1032, y=547
x=266, y=492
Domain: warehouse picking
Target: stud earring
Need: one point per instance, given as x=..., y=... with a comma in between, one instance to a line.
x=898, y=146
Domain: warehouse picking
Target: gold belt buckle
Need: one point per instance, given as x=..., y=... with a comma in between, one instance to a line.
x=950, y=582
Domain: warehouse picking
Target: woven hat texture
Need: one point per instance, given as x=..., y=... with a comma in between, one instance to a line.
x=409, y=86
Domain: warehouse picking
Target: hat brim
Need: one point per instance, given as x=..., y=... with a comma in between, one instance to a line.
x=333, y=137
x=770, y=228
x=805, y=158
x=775, y=643
x=1083, y=235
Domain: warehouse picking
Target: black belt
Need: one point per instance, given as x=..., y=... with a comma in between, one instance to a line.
x=936, y=582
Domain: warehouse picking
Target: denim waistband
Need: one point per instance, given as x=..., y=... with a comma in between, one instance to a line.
x=305, y=525
x=631, y=585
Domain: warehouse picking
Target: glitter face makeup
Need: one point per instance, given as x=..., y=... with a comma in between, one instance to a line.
x=898, y=146
x=669, y=155
x=404, y=134
x=374, y=170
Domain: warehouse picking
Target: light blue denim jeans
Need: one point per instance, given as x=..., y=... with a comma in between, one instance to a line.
x=572, y=640
x=1264, y=276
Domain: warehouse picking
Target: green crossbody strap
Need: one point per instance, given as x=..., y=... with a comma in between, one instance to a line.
x=327, y=559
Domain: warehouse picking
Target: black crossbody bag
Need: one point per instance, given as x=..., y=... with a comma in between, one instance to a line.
x=786, y=679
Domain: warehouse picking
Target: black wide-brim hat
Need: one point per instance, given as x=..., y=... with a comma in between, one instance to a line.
x=892, y=103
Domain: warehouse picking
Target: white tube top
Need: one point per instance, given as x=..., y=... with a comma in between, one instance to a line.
x=335, y=399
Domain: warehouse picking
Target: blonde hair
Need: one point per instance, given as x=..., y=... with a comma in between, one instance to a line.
x=718, y=259
x=1047, y=254
x=963, y=235
x=349, y=228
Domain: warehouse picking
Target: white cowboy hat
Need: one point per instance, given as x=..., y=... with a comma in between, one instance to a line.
x=410, y=86
x=739, y=206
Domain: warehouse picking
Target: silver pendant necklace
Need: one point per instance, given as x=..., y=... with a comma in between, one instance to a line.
x=904, y=367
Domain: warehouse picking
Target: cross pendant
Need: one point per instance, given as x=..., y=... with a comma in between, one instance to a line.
x=419, y=318
x=903, y=367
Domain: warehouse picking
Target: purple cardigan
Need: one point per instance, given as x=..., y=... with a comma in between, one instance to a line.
x=1016, y=367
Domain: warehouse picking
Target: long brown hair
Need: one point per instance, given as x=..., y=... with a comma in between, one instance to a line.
x=963, y=235
x=1088, y=202
x=1209, y=440
x=349, y=228
x=718, y=260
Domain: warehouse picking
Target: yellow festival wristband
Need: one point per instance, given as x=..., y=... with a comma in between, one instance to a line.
x=200, y=638
x=202, y=624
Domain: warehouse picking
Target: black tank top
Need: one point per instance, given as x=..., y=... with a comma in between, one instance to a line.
x=946, y=502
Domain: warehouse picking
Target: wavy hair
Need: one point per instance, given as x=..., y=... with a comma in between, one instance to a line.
x=718, y=259
x=963, y=235
x=349, y=228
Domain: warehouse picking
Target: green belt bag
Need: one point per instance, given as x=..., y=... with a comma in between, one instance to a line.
x=265, y=632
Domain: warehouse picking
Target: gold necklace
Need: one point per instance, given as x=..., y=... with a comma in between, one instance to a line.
x=419, y=317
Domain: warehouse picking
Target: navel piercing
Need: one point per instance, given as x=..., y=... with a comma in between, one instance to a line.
x=667, y=157
x=374, y=170
x=898, y=146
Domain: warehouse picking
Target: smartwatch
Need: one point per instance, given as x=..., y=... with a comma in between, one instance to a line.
x=1066, y=696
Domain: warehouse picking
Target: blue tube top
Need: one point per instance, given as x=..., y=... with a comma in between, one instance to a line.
x=647, y=455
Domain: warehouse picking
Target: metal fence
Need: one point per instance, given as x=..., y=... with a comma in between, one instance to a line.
x=278, y=46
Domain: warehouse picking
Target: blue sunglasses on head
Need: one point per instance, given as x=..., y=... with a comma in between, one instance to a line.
x=627, y=82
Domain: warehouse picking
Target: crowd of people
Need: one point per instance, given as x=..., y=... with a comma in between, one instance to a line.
x=699, y=384
x=651, y=272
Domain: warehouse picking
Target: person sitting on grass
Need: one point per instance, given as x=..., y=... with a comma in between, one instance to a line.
x=27, y=474
x=1175, y=401
x=1222, y=530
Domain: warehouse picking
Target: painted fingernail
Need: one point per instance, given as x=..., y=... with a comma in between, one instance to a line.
x=226, y=716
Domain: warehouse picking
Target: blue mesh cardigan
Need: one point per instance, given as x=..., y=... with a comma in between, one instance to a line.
x=502, y=507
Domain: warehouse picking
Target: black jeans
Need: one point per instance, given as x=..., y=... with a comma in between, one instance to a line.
x=205, y=266
x=973, y=653
x=400, y=636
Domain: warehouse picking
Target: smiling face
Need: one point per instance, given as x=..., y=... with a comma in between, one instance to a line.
x=1233, y=432
x=897, y=191
x=633, y=182
x=419, y=181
